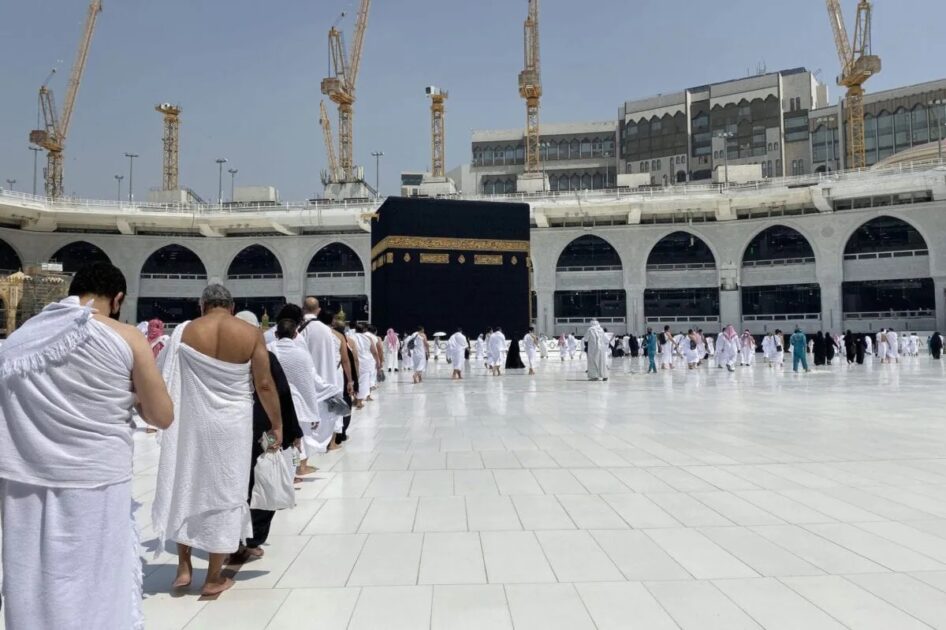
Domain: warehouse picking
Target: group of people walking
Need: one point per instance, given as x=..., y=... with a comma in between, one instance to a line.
x=219, y=392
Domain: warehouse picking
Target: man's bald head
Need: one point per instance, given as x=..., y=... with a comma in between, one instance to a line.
x=311, y=306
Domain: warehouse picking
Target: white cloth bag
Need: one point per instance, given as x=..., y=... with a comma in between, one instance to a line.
x=272, y=486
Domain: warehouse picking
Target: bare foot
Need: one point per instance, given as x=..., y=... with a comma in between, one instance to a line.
x=306, y=470
x=216, y=587
x=183, y=579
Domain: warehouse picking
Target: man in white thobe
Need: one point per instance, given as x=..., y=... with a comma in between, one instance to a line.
x=325, y=348
x=308, y=389
x=727, y=348
x=367, y=361
x=882, y=345
x=597, y=341
x=211, y=366
x=530, y=343
x=457, y=345
x=69, y=379
x=893, y=347
x=420, y=352
x=496, y=345
x=571, y=345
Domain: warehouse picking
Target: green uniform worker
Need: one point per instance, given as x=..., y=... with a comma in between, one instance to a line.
x=799, y=350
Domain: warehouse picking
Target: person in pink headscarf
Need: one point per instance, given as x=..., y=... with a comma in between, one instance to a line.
x=727, y=348
x=391, y=344
x=156, y=336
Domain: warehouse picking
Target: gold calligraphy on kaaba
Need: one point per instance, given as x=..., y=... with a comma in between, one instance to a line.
x=448, y=244
x=487, y=259
x=427, y=258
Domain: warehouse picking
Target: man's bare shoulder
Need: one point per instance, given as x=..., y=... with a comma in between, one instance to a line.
x=126, y=331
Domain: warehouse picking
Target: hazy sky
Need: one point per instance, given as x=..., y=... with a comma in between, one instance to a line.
x=247, y=74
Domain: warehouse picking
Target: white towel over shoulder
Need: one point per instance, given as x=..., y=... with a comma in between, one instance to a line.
x=204, y=468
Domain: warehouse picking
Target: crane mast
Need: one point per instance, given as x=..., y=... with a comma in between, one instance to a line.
x=858, y=64
x=53, y=136
x=530, y=87
x=331, y=174
x=340, y=87
x=437, y=150
x=171, y=142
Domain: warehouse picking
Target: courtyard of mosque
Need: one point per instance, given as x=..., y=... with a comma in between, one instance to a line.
x=688, y=499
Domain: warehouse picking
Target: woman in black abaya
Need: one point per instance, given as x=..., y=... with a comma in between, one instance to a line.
x=820, y=348
x=513, y=360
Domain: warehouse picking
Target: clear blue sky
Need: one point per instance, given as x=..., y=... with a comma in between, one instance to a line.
x=247, y=74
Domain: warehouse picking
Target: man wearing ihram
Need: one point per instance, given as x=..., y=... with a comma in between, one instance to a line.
x=69, y=380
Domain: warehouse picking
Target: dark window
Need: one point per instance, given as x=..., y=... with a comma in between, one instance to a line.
x=701, y=302
x=680, y=248
x=9, y=260
x=602, y=303
x=588, y=251
x=76, y=255
x=778, y=243
x=792, y=299
x=335, y=257
x=168, y=310
x=255, y=260
x=884, y=234
x=174, y=260
x=889, y=295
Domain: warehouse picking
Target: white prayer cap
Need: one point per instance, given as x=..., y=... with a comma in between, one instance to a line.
x=249, y=317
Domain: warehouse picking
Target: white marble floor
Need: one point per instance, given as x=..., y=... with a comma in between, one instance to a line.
x=692, y=500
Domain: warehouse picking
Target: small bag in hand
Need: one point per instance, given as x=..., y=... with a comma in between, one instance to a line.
x=337, y=406
x=272, y=485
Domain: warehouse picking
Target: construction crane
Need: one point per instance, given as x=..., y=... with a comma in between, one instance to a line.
x=53, y=135
x=437, y=157
x=530, y=87
x=340, y=87
x=857, y=66
x=331, y=174
x=171, y=140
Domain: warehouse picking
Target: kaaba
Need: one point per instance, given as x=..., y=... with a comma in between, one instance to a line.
x=442, y=263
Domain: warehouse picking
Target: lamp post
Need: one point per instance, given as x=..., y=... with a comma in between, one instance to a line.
x=377, y=155
x=726, y=135
x=119, y=178
x=233, y=173
x=131, y=175
x=10, y=183
x=35, y=151
x=220, y=163
x=935, y=104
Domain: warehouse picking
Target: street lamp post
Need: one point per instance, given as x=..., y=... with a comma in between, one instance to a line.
x=131, y=176
x=233, y=173
x=119, y=178
x=10, y=183
x=377, y=171
x=726, y=135
x=35, y=151
x=220, y=163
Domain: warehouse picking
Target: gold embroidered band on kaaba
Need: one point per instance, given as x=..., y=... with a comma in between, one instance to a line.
x=448, y=244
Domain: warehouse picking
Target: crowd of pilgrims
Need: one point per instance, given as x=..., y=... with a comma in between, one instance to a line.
x=666, y=350
x=239, y=413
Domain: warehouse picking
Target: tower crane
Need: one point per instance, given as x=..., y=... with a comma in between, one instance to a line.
x=172, y=127
x=437, y=157
x=53, y=135
x=530, y=87
x=332, y=174
x=340, y=88
x=858, y=65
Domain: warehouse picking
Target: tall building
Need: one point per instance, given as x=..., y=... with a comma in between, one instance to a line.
x=756, y=120
x=574, y=156
x=894, y=121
